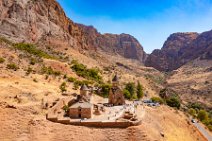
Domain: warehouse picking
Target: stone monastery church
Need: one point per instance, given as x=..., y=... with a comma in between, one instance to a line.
x=83, y=108
x=116, y=96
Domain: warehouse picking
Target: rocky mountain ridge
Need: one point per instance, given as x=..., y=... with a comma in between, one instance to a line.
x=179, y=49
x=46, y=22
x=123, y=44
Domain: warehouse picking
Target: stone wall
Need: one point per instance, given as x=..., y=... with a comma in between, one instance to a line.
x=85, y=113
x=99, y=124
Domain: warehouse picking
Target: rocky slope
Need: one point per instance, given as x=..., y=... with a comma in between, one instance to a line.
x=45, y=22
x=192, y=82
x=179, y=49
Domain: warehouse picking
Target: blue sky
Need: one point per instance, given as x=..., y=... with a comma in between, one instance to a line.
x=150, y=21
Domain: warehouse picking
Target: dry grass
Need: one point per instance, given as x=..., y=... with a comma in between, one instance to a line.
x=27, y=121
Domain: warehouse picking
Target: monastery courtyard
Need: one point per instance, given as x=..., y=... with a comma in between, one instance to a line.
x=86, y=109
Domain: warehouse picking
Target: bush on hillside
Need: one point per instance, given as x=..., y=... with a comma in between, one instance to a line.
x=139, y=90
x=157, y=100
x=105, y=89
x=2, y=60
x=195, y=106
x=192, y=112
x=131, y=88
x=29, y=70
x=71, y=79
x=82, y=71
x=127, y=94
x=63, y=87
x=33, y=61
x=32, y=49
x=173, y=102
x=49, y=71
x=202, y=115
x=12, y=66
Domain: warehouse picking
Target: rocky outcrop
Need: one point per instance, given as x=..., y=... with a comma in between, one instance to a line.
x=200, y=47
x=175, y=52
x=123, y=44
x=35, y=20
x=45, y=21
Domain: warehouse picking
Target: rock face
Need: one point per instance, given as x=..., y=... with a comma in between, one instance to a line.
x=179, y=49
x=45, y=21
x=33, y=21
x=123, y=44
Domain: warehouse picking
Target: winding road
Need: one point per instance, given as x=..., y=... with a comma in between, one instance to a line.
x=205, y=133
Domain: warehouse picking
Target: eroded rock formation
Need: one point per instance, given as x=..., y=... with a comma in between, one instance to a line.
x=45, y=21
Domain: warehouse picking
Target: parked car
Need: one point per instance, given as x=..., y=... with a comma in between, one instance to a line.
x=147, y=101
x=193, y=121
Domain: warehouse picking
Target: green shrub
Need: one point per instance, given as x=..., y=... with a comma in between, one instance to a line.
x=173, y=102
x=83, y=71
x=49, y=71
x=71, y=79
x=195, y=106
x=76, y=86
x=12, y=66
x=210, y=127
x=32, y=61
x=127, y=94
x=157, y=100
x=63, y=87
x=202, y=115
x=32, y=49
x=139, y=91
x=65, y=76
x=2, y=60
x=131, y=88
x=105, y=89
x=192, y=112
x=29, y=70
x=66, y=108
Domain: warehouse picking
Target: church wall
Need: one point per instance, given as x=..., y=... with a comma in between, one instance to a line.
x=85, y=113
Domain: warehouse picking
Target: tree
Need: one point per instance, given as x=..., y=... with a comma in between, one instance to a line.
x=105, y=89
x=157, y=100
x=192, y=112
x=173, y=102
x=126, y=94
x=195, y=105
x=63, y=87
x=202, y=115
x=131, y=88
x=139, y=91
x=12, y=66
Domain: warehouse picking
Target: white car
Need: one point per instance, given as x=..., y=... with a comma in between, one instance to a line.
x=193, y=121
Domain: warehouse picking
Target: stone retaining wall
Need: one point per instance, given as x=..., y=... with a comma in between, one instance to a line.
x=100, y=124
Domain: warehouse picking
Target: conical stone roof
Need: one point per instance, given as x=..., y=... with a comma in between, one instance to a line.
x=115, y=78
x=84, y=88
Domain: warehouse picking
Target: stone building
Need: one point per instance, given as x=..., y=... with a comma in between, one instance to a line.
x=82, y=108
x=116, y=96
x=85, y=93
